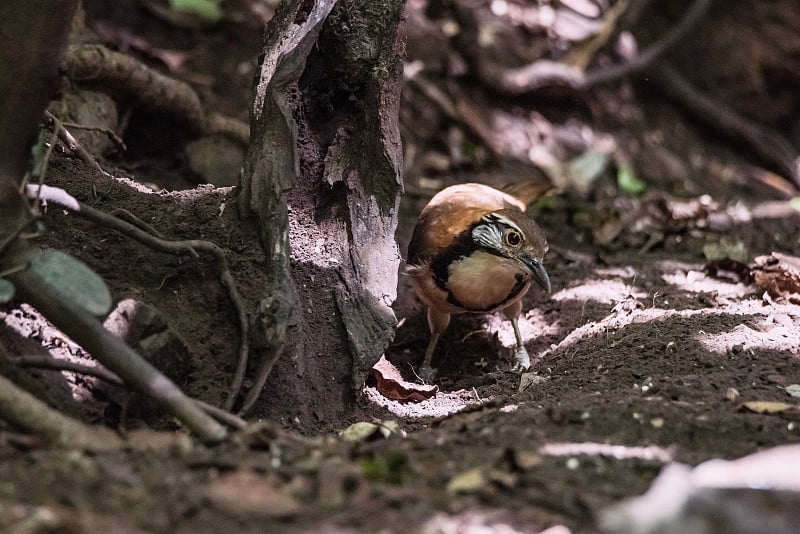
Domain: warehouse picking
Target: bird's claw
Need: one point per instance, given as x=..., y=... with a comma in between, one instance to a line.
x=522, y=362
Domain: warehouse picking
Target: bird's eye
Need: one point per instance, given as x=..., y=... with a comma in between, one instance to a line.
x=512, y=238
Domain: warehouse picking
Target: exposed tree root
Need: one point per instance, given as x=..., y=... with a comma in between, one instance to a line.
x=130, y=79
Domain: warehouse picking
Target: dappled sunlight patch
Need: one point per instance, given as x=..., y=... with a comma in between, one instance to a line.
x=441, y=405
x=774, y=332
x=532, y=325
x=602, y=291
x=697, y=281
x=478, y=521
x=619, y=452
x=779, y=323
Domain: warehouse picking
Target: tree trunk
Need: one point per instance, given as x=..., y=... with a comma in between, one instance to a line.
x=323, y=179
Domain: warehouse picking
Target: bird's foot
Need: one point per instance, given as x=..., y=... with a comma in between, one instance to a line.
x=426, y=373
x=522, y=362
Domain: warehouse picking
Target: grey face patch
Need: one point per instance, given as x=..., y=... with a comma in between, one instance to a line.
x=488, y=235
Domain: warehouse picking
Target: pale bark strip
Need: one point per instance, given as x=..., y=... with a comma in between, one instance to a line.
x=270, y=170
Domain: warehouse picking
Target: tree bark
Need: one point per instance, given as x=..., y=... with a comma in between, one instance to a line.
x=32, y=36
x=323, y=178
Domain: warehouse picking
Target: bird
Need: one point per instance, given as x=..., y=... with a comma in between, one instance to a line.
x=474, y=250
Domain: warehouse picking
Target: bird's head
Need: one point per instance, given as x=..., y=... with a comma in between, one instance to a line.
x=511, y=234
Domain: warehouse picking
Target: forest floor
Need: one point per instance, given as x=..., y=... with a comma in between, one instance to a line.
x=640, y=344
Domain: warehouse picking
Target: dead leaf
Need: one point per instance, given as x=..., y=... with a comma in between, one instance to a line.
x=525, y=460
x=363, y=430
x=390, y=383
x=779, y=275
x=247, y=493
x=470, y=481
x=725, y=248
x=729, y=270
x=608, y=230
x=530, y=379
x=768, y=407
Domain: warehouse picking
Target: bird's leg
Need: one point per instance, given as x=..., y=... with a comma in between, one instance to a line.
x=522, y=361
x=437, y=323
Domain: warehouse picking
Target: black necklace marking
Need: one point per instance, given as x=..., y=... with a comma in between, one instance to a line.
x=519, y=285
x=462, y=247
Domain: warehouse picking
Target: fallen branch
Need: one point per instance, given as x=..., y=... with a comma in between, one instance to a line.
x=113, y=353
x=545, y=73
x=24, y=411
x=46, y=362
x=769, y=145
x=54, y=364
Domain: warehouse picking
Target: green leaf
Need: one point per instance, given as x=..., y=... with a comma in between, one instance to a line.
x=206, y=9
x=386, y=467
x=74, y=279
x=582, y=171
x=627, y=181
x=6, y=291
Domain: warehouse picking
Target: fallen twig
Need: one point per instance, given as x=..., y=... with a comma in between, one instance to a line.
x=223, y=416
x=107, y=132
x=46, y=362
x=73, y=144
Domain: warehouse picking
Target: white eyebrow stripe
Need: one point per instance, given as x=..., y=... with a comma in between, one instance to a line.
x=494, y=217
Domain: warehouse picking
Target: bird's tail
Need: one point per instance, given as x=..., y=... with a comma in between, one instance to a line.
x=528, y=191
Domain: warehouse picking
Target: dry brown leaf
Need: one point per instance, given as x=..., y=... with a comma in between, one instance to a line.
x=779, y=275
x=729, y=270
x=608, y=230
x=390, y=383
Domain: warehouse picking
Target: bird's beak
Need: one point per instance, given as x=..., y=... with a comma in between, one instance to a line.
x=538, y=272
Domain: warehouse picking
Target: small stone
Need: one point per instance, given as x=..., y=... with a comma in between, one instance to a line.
x=573, y=464
x=657, y=422
x=737, y=349
x=732, y=394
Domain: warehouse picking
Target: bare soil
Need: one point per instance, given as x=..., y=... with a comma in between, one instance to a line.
x=635, y=348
